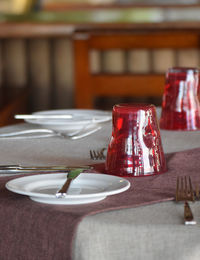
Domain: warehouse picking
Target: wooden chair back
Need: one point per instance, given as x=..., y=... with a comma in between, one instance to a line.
x=89, y=86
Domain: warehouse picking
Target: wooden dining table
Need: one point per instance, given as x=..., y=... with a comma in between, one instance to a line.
x=154, y=230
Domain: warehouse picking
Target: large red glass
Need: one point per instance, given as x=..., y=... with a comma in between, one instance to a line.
x=135, y=147
x=180, y=105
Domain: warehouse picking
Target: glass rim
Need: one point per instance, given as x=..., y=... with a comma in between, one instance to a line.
x=183, y=69
x=132, y=107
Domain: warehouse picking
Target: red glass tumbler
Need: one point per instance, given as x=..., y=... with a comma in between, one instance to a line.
x=135, y=148
x=180, y=105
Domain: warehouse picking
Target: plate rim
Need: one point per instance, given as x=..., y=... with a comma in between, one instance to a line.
x=108, y=116
x=125, y=187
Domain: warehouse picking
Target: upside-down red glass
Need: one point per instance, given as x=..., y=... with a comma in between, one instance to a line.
x=180, y=105
x=135, y=148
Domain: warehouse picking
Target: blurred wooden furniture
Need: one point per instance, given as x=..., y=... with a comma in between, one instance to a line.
x=37, y=55
x=58, y=5
x=45, y=43
x=12, y=101
x=90, y=86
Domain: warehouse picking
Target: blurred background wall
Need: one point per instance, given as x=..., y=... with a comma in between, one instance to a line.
x=46, y=65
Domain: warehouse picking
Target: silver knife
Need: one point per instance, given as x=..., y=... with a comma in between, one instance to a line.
x=64, y=116
x=54, y=168
x=62, y=192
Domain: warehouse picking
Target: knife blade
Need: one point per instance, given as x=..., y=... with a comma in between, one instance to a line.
x=56, y=117
x=54, y=168
x=63, y=117
x=62, y=192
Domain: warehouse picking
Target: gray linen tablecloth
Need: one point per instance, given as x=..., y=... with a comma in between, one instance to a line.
x=150, y=232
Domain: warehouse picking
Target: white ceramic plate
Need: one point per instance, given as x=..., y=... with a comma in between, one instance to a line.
x=86, y=188
x=81, y=118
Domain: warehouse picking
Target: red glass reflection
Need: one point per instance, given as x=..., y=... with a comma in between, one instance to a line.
x=135, y=147
x=180, y=106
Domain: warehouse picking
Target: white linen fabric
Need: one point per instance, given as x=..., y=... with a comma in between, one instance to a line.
x=58, y=150
x=150, y=232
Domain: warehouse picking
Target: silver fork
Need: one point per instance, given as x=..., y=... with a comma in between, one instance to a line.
x=97, y=154
x=184, y=192
x=49, y=132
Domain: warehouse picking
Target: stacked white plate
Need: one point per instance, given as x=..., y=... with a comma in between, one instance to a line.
x=79, y=119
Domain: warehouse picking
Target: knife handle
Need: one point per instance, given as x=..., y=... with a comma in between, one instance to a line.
x=62, y=192
x=188, y=216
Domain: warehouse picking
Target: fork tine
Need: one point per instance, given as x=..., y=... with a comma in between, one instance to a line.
x=191, y=189
x=197, y=193
x=91, y=155
x=182, y=193
x=102, y=152
x=97, y=155
x=100, y=155
x=184, y=189
x=94, y=155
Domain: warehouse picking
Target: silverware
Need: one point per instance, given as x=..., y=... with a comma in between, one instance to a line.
x=184, y=192
x=62, y=193
x=98, y=154
x=65, y=116
x=62, y=116
x=77, y=135
x=57, y=168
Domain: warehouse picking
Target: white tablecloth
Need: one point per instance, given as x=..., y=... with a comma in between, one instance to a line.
x=151, y=232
